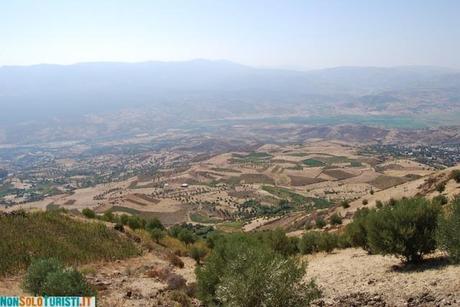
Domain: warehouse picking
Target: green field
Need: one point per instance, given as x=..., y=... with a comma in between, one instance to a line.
x=199, y=218
x=313, y=163
x=253, y=157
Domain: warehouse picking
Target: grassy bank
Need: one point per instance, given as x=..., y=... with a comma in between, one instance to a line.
x=26, y=236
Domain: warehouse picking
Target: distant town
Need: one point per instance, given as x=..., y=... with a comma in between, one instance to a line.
x=438, y=156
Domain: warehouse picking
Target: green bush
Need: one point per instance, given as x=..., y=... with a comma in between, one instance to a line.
x=37, y=272
x=197, y=253
x=335, y=219
x=186, y=236
x=316, y=241
x=406, y=229
x=124, y=218
x=448, y=235
x=345, y=204
x=134, y=222
x=455, y=174
x=88, y=213
x=320, y=223
x=157, y=234
x=356, y=231
x=119, y=227
x=49, y=277
x=279, y=242
x=154, y=224
x=68, y=282
x=378, y=204
x=391, y=202
x=441, y=200
x=108, y=216
x=243, y=271
x=441, y=187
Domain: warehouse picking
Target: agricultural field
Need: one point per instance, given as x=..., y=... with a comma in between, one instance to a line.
x=275, y=186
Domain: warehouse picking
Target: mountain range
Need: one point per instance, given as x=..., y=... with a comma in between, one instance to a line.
x=174, y=92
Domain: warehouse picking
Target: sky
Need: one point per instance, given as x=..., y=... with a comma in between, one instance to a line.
x=263, y=33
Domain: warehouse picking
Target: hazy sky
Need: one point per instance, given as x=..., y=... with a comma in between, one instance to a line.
x=283, y=33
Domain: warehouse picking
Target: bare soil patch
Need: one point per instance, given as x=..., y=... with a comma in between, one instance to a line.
x=302, y=181
x=354, y=271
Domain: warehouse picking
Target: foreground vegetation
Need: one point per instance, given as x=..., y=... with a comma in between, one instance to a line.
x=245, y=271
x=26, y=236
x=49, y=277
x=408, y=228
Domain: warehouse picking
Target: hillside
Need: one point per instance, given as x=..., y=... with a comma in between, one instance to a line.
x=351, y=277
x=127, y=267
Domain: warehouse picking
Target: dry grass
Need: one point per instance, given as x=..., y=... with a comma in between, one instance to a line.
x=384, y=182
x=175, y=245
x=53, y=234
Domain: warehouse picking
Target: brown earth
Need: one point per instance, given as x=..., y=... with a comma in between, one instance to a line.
x=351, y=277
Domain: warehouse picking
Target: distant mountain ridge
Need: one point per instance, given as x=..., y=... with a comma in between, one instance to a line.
x=110, y=97
x=89, y=87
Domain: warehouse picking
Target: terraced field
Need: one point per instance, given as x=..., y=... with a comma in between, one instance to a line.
x=292, y=182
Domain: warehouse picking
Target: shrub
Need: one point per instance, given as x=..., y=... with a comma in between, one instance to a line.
x=406, y=229
x=175, y=281
x=88, y=213
x=391, y=202
x=455, y=174
x=154, y=224
x=176, y=246
x=48, y=277
x=378, y=204
x=279, y=242
x=159, y=272
x=448, y=234
x=197, y=253
x=124, y=218
x=308, y=243
x=181, y=298
x=157, y=234
x=134, y=222
x=372, y=192
x=199, y=249
x=356, y=231
x=119, y=227
x=36, y=274
x=175, y=260
x=345, y=204
x=144, y=238
x=186, y=236
x=67, y=282
x=335, y=219
x=365, y=202
x=441, y=187
x=315, y=241
x=243, y=271
x=320, y=223
x=441, y=200
x=108, y=216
